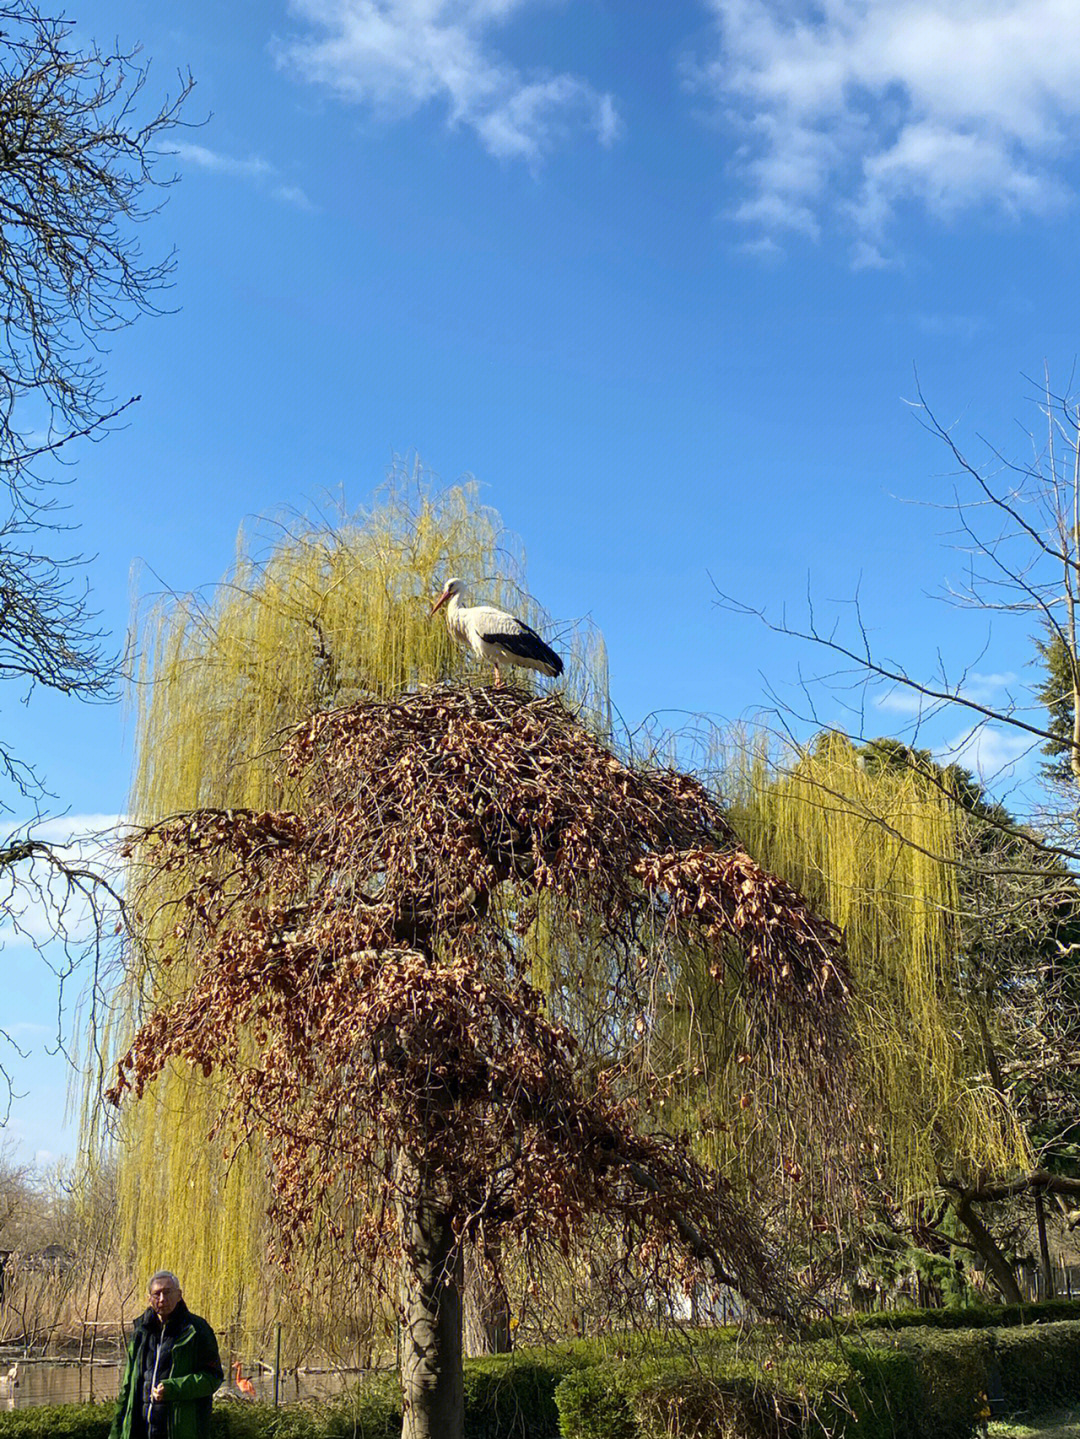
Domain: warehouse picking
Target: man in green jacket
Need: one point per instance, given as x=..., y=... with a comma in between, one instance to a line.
x=173, y=1368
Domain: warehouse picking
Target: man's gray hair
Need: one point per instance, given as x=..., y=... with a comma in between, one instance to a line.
x=161, y=1274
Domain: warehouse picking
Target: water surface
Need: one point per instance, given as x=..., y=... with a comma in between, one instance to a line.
x=46, y=1381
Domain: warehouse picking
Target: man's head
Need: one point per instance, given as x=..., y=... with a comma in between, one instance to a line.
x=164, y=1289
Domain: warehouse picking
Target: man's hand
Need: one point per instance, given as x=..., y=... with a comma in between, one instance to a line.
x=157, y=1394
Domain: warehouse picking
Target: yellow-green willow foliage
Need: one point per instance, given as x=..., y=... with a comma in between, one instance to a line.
x=875, y=848
x=324, y=617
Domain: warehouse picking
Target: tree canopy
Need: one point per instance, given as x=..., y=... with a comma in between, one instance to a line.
x=355, y=972
x=312, y=616
x=369, y=935
x=381, y=902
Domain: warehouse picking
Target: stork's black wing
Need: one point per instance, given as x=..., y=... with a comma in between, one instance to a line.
x=527, y=645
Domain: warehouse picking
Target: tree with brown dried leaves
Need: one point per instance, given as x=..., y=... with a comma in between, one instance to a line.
x=361, y=979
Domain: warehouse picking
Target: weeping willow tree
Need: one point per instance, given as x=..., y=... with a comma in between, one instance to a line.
x=879, y=850
x=326, y=616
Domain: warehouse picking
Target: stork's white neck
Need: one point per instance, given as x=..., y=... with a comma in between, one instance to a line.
x=455, y=620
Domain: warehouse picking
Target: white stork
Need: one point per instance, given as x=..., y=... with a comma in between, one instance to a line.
x=494, y=635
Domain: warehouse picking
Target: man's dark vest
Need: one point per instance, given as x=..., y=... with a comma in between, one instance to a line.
x=156, y=1364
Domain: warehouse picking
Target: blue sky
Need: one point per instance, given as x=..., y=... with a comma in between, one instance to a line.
x=658, y=276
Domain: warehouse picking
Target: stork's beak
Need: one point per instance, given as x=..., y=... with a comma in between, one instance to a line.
x=439, y=602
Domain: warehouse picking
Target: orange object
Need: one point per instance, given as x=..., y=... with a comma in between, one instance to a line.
x=244, y=1385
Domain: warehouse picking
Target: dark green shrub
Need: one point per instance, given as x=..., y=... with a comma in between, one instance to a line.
x=512, y=1396
x=725, y=1392
x=373, y=1411
x=1040, y=1368
x=59, y=1421
x=878, y=1399
x=1048, y=1312
x=981, y=1316
x=919, y=1384
x=592, y=1405
x=694, y=1406
x=808, y=1392
x=952, y=1369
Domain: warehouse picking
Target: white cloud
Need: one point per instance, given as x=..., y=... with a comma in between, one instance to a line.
x=26, y=1029
x=988, y=689
x=292, y=195
x=763, y=247
x=39, y=906
x=867, y=256
x=902, y=701
x=980, y=689
x=255, y=168
x=221, y=164
x=399, y=55
x=66, y=830
x=850, y=108
x=951, y=326
x=988, y=751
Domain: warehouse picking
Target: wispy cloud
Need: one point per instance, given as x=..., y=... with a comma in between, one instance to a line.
x=848, y=109
x=255, y=168
x=901, y=701
x=205, y=159
x=966, y=328
x=989, y=751
x=396, y=56
x=41, y=906
x=67, y=830
x=991, y=689
x=980, y=689
x=292, y=195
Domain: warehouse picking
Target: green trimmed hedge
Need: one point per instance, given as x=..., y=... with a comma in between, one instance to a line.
x=812, y=1391
x=506, y=1397
x=1039, y=1370
x=981, y=1316
x=373, y=1411
x=901, y=1381
x=59, y=1421
x=512, y=1396
x=910, y=1382
x=882, y=1399
x=951, y=1369
x=593, y=1402
x=730, y=1391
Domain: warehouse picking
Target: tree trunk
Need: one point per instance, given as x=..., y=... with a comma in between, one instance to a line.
x=1044, y=1248
x=432, y=1381
x=487, y=1308
x=996, y=1262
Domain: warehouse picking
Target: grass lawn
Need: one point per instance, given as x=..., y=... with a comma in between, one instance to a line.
x=1064, y=1425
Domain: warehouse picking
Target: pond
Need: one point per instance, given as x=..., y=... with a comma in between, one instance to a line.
x=50, y=1381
